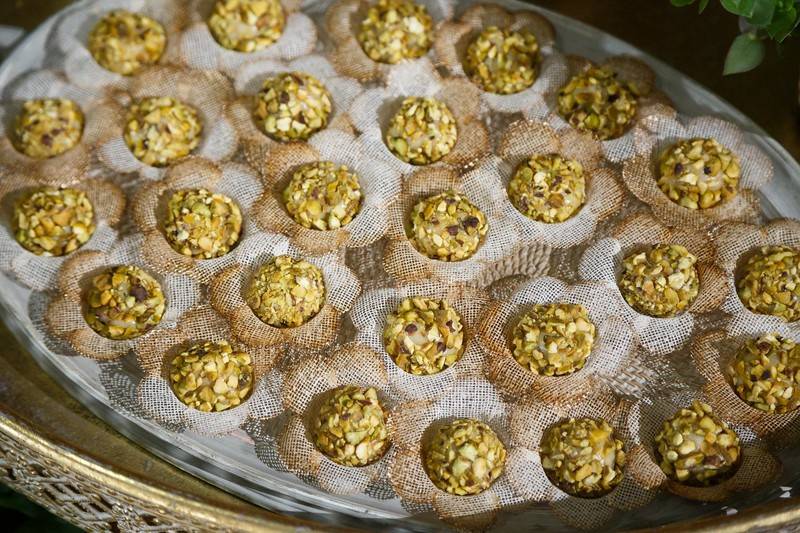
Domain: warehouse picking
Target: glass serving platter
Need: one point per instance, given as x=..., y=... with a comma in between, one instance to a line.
x=232, y=463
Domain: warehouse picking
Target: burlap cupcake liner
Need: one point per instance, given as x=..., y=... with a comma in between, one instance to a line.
x=249, y=79
x=369, y=316
x=71, y=37
x=148, y=210
x=651, y=101
x=40, y=272
x=613, y=349
x=198, y=48
x=380, y=185
x=228, y=288
x=453, y=38
x=406, y=264
x=305, y=384
x=604, y=194
x=69, y=167
x=657, y=133
x=207, y=91
x=735, y=243
x=64, y=315
x=342, y=24
x=154, y=392
x=602, y=262
x=372, y=111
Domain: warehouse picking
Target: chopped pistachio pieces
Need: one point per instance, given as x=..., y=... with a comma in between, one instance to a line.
x=447, y=227
x=211, y=376
x=394, y=30
x=598, y=103
x=696, y=448
x=123, y=302
x=286, y=292
x=464, y=457
x=424, y=336
x=503, y=61
x=201, y=224
x=698, y=173
x=292, y=106
x=160, y=131
x=660, y=282
x=582, y=457
x=554, y=339
x=770, y=283
x=246, y=25
x=350, y=426
x=548, y=188
x=53, y=222
x=48, y=127
x=422, y=131
x=125, y=42
x=323, y=196
x=766, y=373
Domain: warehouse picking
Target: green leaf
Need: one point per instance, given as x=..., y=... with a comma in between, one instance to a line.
x=739, y=7
x=763, y=10
x=682, y=3
x=783, y=23
x=746, y=53
x=702, y=6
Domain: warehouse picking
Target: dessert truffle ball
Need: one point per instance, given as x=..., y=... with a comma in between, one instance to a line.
x=503, y=61
x=770, y=283
x=202, y=224
x=350, y=427
x=53, y=222
x=548, y=188
x=125, y=42
x=160, y=131
x=292, y=106
x=246, y=25
x=395, y=30
x=48, y=127
x=286, y=292
x=123, y=302
x=447, y=227
x=765, y=373
x=323, y=196
x=422, y=131
x=424, y=336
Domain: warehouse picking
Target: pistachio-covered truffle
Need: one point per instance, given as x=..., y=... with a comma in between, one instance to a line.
x=424, y=336
x=554, y=339
x=394, y=30
x=246, y=25
x=292, y=106
x=548, y=188
x=464, y=457
x=770, y=282
x=582, y=457
x=211, y=376
x=125, y=42
x=53, y=222
x=48, y=127
x=599, y=103
x=123, y=302
x=286, y=292
x=696, y=448
x=660, y=282
x=350, y=427
x=160, y=131
x=422, y=131
x=202, y=224
x=765, y=373
x=698, y=173
x=323, y=195
x=503, y=61
x=447, y=227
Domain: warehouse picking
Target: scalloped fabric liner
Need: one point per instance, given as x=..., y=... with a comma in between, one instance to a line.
x=155, y=395
x=380, y=185
x=406, y=264
x=148, y=207
x=604, y=194
x=64, y=314
x=228, y=287
x=369, y=316
x=613, y=348
x=342, y=22
x=524, y=261
x=657, y=133
x=249, y=79
x=208, y=92
x=602, y=262
x=40, y=272
x=198, y=49
x=372, y=111
x=70, y=39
